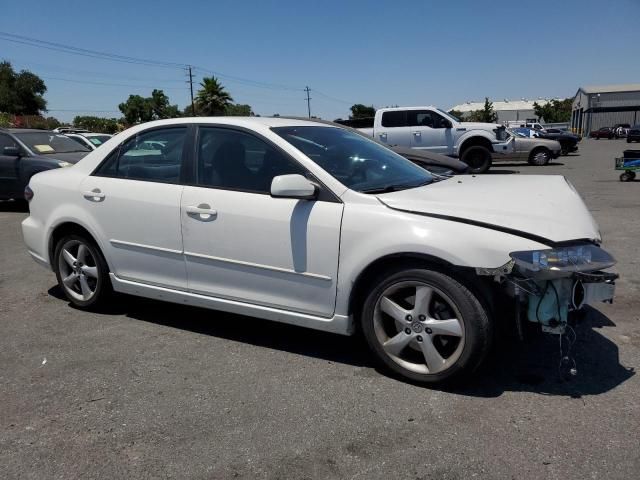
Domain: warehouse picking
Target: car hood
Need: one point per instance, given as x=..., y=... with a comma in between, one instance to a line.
x=545, y=208
x=71, y=157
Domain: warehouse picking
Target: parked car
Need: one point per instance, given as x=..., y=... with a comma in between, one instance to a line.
x=89, y=139
x=532, y=148
x=604, y=132
x=568, y=141
x=314, y=225
x=525, y=124
x=24, y=152
x=633, y=135
x=433, y=129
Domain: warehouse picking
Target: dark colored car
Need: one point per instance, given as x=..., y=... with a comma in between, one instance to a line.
x=634, y=134
x=568, y=141
x=24, y=152
x=604, y=132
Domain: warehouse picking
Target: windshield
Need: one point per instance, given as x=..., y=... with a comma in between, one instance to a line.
x=98, y=139
x=50, y=142
x=355, y=161
x=451, y=116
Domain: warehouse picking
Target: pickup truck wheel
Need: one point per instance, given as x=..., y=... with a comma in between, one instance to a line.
x=478, y=158
x=425, y=326
x=540, y=157
x=82, y=271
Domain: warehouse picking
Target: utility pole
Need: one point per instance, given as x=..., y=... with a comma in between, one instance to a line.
x=307, y=89
x=193, y=106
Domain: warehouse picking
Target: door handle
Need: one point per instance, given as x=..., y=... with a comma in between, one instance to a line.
x=201, y=212
x=94, y=195
x=417, y=134
x=383, y=135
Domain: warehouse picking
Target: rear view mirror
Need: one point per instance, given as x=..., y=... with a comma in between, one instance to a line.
x=11, y=151
x=293, y=186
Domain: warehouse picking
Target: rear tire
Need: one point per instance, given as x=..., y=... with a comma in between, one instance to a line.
x=540, y=157
x=478, y=158
x=82, y=271
x=425, y=326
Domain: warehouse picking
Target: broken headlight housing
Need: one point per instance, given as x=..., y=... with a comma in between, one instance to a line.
x=564, y=260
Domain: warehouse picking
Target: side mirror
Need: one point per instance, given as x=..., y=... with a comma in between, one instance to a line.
x=293, y=186
x=11, y=151
x=446, y=123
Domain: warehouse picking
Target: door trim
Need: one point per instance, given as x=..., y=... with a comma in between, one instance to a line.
x=260, y=266
x=123, y=244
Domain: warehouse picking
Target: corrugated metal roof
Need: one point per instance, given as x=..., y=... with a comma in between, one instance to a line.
x=522, y=104
x=628, y=87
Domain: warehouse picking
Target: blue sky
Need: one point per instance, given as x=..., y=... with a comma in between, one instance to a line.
x=372, y=52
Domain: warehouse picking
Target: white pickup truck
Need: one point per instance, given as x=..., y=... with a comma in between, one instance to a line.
x=433, y=129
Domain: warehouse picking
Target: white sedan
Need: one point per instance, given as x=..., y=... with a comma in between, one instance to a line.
x=313, y=225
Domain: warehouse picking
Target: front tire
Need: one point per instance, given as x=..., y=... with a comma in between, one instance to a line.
x=478, y=158
x=82, y=271
x=540, y=157
x=425, y=326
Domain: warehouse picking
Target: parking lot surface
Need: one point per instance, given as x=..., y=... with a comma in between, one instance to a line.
x=153, y=390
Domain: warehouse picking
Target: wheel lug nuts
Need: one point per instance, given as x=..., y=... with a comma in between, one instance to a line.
x=409, y=318
x=429, y=331
x=422, y=318
x=419, y=338
x=407, y=331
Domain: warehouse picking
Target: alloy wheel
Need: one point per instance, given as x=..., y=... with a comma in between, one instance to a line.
x=419, y=327
x=78, y=270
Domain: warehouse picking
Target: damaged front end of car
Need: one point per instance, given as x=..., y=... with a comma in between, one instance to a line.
x=549, y=285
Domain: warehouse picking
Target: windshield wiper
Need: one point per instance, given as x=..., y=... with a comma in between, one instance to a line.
x=396, y=188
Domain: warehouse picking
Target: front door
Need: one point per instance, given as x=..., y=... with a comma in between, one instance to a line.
x=134, y=202
x=428, y=132
x=242, y=244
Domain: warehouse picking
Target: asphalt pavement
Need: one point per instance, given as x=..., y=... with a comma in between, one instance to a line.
x=148, y=389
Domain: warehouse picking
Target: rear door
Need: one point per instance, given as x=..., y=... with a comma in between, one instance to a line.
x=394, y=129
x=242, y=244
x=133, y=199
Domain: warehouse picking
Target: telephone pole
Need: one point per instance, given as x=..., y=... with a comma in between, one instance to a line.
x=307, y=89
x=193, y=106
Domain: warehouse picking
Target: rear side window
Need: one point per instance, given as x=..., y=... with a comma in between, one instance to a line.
x=234, y=160
x=154, y=156
x=6, y=141
x=395, y=118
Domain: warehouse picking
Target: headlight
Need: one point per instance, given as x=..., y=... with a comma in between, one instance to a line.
x=64, y=164
x=576, y=258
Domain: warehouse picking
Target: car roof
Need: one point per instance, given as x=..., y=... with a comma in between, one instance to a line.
x=26, y=130
x=238, y=121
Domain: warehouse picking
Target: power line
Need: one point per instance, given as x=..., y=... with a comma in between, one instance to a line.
x=333, y=98
x=47, y=77
x=247, y=81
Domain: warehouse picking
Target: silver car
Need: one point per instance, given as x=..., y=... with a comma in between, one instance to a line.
x=537, y=151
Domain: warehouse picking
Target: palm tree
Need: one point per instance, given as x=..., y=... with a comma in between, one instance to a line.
x=212, y=98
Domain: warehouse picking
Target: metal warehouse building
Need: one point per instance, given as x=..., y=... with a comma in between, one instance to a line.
x=507, y=110
x=604, y=106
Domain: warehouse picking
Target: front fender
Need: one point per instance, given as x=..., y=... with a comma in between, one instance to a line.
x=371, y=232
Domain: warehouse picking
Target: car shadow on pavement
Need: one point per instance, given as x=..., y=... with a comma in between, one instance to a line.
x=530, y=366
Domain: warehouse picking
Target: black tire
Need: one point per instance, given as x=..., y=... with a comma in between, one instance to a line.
x=628, y=140
x=478, y=158
x=539, y=157
x=470, y=349
x=100, y=284
x=564, y=151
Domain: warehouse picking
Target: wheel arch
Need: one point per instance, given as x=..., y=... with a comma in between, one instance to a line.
x=67, y=228
x=466, y=275
x=472, y=141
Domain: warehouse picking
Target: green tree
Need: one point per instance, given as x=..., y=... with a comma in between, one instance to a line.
x=486, y=115
x=21, y=93
x=361, y=111
x=457, y=114
x=554, y=111
x=160, y=106
x=98, y=124
x=136, y=109
x=212, y=98
x=239, y=110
